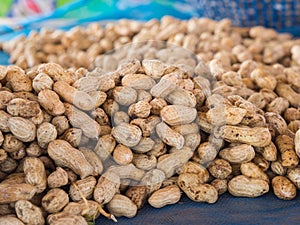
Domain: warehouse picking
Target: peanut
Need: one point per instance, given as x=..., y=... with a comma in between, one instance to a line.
x=29, y=213
x=165, y=196
x=121, y=205
x=283, y=188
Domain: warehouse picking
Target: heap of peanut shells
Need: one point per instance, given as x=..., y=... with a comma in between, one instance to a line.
x=84, y=134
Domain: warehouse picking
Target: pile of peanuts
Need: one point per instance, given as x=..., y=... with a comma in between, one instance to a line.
x=201, y=109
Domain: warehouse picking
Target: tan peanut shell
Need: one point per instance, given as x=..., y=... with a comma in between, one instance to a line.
x=238, y=154
x=178, y=114
x=50, y=101
x=10, y=220
x=165, y=196
x=138, y=81
x=14, y=192
x=247, y=187
x=169, y=136
x=55, y=200
x=283, y=188
x=120, y=205
x=22, y=129
x=93, y=160
x=126, y=134
x=23, y=108
x=57, y=178
x=29, y=213
x=65, y=155
x=84, y=187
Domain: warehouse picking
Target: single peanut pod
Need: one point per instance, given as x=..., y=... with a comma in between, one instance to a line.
x=169, y=136
x=220, y=185
x=257, y=136
x=11, y=143
x=65, y=155
x=137, y=194
x=165, y=86
x=263, y=79
x=18, y=80
x=80, y=99
x=23, y=108
x=178, y=114
x=129, y=171
x=165, y=196
x=220, y=168
x=122, y=155
x=121, y=205
x=153, y=180
x=10, y=220
x=22, y=129
x=197, y=192
x=202, y=174
x=35, y=173
x=57, y=178
x=251, y=170
x=124, y=95
x=93, y=159
x=185, y=129
x=147, y=125
x=207, y=152
x=278, y=105
x=120, y=117
x=144, y=146
x=4, y=121
x=79, y=119
x=107, y=186
x=238, y=154
x=73, y=136
x=285, y=145
x=285, y=91
x=157, y=104
x=84, y=187
x=50, y=101
x=5, y=98
x=105, y=146
x=169, y=163
x=42, y=81
x=144, y=162
x=153, y=68
x=242, y=186
x=29, y=213
x=276, y=122
x=226, y=115
x=129, y=67
x=70, y=219
x=138, y=81
x=46, y=133
x=126, y=134
x=55, y=200
x=14, y=192
x=182, y=97
x=269, y=152
x=283, y=188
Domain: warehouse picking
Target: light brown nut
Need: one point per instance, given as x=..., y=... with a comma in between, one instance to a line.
x=238, y=154
x=147, y=125
x=46, y=132
x=129, y=171
x=165, y=196
x=5, y=98
x=23, y=108
x=57, y=178
x=283, y=188
x=18, y=80
x=4, y=121
x=61, y=124
x=55, y=200
x=138, y=81
x=220, y=185
x=110, y=106
x=165, y=86
x=65, y=155
x=206, y=152
x=105, y=146
x=145, y=145
x=278, y=105
x=182, y=97
x=297, y=143
x=286, y=147
x=257, y=136
x=129, y=67
x=140, y=109
x=120, y=205
x=122, y=155
x=277, y=168
x=80, y=99
x=137, y=195
x=192, y=141
x=34, y=150
x=242, y=186
x=82, y=188
x=294, y=126
x=220, y=168
x=29, y=213
x=120, y=117
x=169, y=136
x=19, y=154
x=144, y=162
x=126, y=134
x=38, y=119
x=152, y=180
x=294, y=176
x=14, y=192
x=11, y=143
x=185, y=129
x=258, y=100
x=50, y=101
x=15, y=178
x=10, y=220
x=73, y=136
x=195, y=191
x=263, y=79
x=9, y=165
x=269, y=152
x=100, y=116
x=144, y=96
x=157, y=104
x=231, y=115
x=124, y=95
x=292, y=114
x=285, y=91
x=22, y=129
x=169, y=163
x=107, y=186
x=70, y=219
x=79, y=119
x=153, y=68
x=202, y=174
x=55, y=71
x=98, y=97
x=276, y=123
x=251, y=170
x=90, y=83
x=35, y=173
x=178, y=114
x=261, y=162
x=42, y=81
x=93, y=159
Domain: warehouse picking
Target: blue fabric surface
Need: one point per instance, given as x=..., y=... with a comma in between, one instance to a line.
x=266, y=209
